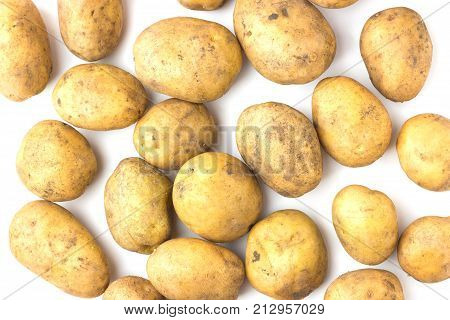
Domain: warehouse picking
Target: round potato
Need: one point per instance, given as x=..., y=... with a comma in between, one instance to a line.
x=49, y=241
x=194, y=269
x=423, y=148
x=365, y=284
x=25, y=57
x=334, y=4
x=366, y=224
x=397, y=50
x=424, y=249
x=99, y=97
x=55, y=161
x=288, y=42
x=353, y=125
x=202, y=4
x=280, y=144
x=286, y=257
x=217, y=197
x=91, y=29
x=131, y=288
x=187, y=58
x=136, y=205
x=174, y=131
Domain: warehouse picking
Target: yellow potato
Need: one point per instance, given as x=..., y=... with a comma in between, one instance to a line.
x=50, y=242
x=194, y=269
x=334, y=4
x=202, y=4
x=25, y=57
x=353, y=125
x=286, y=257
x=131, y=288
x=397, y=51
x=99, y=97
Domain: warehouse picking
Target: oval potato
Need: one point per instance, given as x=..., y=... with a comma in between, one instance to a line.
x=334, y=4
x=202, y=4
x=131, y=288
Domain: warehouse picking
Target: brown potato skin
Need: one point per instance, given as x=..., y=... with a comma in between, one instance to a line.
x=91, y=29
x=194, y=269
x=334, y=4
x=424, y=249
x=50, y=242
x=281, y=145
x=365, y=284
x=397, y=50
x=288, y=42
x=286, y=257
x=25, y=57
x=202, y=4
x=55, y=161
x=131, y=288
x=423, y=148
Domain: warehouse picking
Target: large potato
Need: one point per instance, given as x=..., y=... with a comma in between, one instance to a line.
x=25, y=58
x=202, y=4
x=91, y=29
x=353, y=125
x=49, y=241
x=288, y=42
x=334, y=4
x=397, y=51
x=187, y=58
x=131, y=288
x=174, y=131
x=424, y=249
x=366, y=224
x=286, y=257
x=365, y=284
x=136, y=205
x=280, y=144
x=423, y=148
x=55, y=161
x=217, y=196
x=99, y=97
x=194, y=269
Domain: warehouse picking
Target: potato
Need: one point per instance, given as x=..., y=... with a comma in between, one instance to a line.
x=25, y=57
x=131, y=288
x=353, y=125
x=424, y=249
x=334, y=4
x=288, y=42
x=49, y=241
x=55, y=161
x=280, y=144
x=397, y=50
x=136, y=205
x=187, y=58
x=201, y=4
x=366, y=224
x=216, y=196
x=99, y=97
x=286, y=257
x=91, y=29
x=194, y=269
x=174, y=131
x=365, y=284
x=423, y=148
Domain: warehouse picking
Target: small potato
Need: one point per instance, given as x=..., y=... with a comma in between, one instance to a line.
x=286, y=257
x=365, y=284
x=174, y=131
x=423, y=148
x=280, y=144
x=99, y=97
x=397, y=50
x=288, y=42
x=194, y=269
x=334, y=4
x=25, y=57
x=216, y=196
x=187, y=58
x=136, y=205
x=91, y=29
x=353, y=125
x=55, y=161
x=50, y=242
x=202, y=4
x=424, y=249
x=131, y=288
x=366, y=224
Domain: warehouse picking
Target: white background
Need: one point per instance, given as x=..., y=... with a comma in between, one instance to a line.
x=250, y=88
